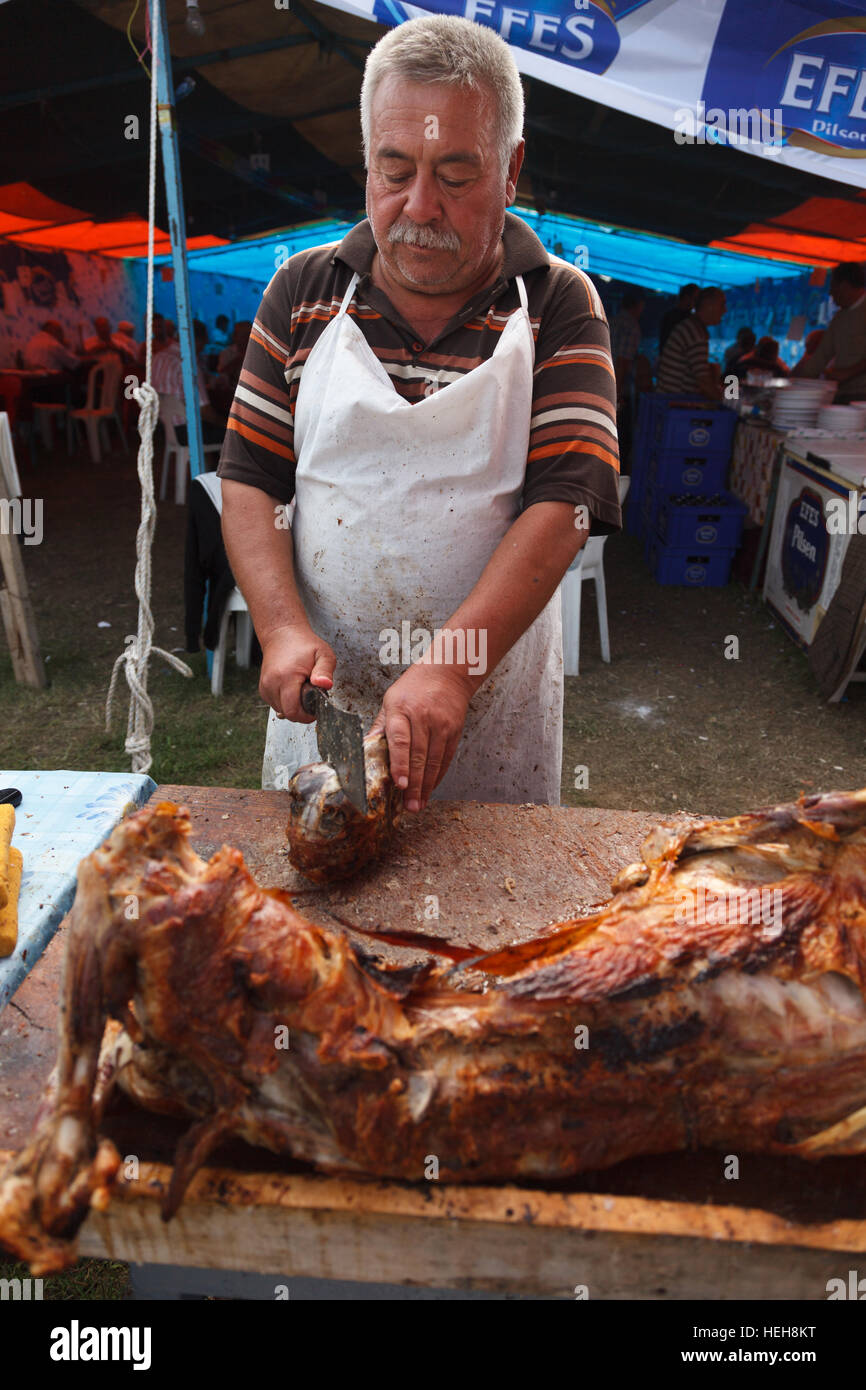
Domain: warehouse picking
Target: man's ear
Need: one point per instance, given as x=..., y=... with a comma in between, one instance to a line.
x=514, y=166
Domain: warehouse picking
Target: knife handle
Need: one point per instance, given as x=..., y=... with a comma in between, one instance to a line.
x=311, y=697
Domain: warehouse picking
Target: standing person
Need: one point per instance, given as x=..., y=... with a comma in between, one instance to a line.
x=685, y=303
x=841, y=354
x=624, y=346
x=436, y=397
x=220, y=335
x=167, y=378
x=685, y=368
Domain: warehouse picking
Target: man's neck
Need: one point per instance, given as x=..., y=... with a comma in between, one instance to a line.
x=429, y=313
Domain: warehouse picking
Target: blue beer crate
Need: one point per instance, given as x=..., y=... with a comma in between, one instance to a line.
x=708, y=523
x=695, y=427
x=691, y=566
x=677, y=471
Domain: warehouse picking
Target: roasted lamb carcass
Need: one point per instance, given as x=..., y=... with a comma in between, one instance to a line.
x=329, y=838
x=717, y=1000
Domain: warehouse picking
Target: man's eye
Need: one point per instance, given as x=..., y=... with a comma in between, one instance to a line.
x=455, y=183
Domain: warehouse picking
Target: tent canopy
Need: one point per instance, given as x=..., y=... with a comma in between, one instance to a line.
x=270, y=136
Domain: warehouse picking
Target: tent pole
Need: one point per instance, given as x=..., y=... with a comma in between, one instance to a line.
x=177, y=233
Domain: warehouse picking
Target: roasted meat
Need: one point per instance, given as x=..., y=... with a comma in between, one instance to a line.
x=718, y=1000
x=331, y=839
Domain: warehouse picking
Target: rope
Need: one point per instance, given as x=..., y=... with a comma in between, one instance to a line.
x=137, y=651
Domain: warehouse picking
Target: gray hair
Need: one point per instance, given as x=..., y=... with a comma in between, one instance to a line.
x=448, y=49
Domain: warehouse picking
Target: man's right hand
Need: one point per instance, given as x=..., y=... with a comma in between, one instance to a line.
x=290, y=656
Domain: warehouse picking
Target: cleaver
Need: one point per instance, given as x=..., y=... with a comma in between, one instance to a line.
x=340, y=737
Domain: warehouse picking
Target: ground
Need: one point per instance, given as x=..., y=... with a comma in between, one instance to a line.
x=672, y=723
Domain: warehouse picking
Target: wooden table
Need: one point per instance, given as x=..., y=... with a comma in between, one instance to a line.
x=657, y=1228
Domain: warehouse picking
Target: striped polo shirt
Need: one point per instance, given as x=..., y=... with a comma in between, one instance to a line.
x=573, y=454
x=686, y=353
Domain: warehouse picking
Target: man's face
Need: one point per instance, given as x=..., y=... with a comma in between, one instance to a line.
x=843, y=294
x=715, y=310
x=435, y=177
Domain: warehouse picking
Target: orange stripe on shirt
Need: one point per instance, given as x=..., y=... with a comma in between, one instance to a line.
x=574, y=446
x=258, y=438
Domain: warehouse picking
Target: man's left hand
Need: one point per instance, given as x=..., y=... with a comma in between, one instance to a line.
x=422, y=714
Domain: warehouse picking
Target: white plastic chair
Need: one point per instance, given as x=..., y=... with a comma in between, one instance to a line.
x=171, y=413
x=103, y=386
x=46, y=412
x=589, y=564
x=236, y=603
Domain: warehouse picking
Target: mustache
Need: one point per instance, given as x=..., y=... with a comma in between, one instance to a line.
x=410, y=234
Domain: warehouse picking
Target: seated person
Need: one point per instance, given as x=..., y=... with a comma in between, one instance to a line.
x=685, y=368
x=167, y=378
x=765, y=358
x=743, y=343
x=47, y=349
x=123, y=341
x=100, y=344
x=812, y=343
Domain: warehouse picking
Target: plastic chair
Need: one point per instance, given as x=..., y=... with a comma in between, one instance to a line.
x=236, y=603
x=589, y=564
x=46, y=412
x=172, y=413
x=103, y=387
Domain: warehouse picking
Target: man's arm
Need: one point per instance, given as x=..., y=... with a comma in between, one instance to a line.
x=424, y=711
x=822, y=356
x=262, y=561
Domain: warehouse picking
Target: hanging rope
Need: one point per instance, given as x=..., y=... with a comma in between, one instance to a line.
x=136, y=654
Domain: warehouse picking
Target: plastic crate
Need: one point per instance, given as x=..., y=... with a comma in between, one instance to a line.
x=700, y=428
x=680, y=471
x=707, y=523
x=696, y=569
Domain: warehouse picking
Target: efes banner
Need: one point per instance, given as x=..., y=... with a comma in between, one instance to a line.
x=780, y=79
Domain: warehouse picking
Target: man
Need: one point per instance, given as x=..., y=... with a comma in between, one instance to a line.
x=765, y=358
x=100, y=343
x=624, y=346
x=841, y=354
x=220, y=335
x=684, y=305
x=684, y=366
x=435, y=396
x=625, y=337
x=167, y=378
x=124, y=342
x=47, y=349
x=743, y=343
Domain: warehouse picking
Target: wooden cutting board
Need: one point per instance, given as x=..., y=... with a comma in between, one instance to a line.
x=663, y=1227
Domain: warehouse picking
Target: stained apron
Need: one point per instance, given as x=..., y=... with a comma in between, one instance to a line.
x=398, y=508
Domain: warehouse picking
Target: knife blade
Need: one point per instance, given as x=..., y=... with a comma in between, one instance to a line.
x=340, y=739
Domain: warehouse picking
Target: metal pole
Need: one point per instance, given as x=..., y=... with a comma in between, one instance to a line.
x=177, y=233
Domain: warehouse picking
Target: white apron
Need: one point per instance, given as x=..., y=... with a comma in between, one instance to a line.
x=398, y=508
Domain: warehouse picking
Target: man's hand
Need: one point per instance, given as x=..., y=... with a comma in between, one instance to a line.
x=422, y=714
x=290, y=656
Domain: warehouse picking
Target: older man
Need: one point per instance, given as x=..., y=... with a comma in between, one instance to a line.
x=434, y=396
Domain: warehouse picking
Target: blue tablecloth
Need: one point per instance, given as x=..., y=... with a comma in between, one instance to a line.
x=63, y=816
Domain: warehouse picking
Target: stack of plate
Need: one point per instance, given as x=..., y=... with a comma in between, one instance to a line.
x=842, y=419
x=797, y=402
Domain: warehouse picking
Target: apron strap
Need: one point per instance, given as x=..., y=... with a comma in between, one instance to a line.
x=347, y=297
x=521, y=290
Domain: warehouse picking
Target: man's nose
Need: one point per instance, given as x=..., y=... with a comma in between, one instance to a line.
x=423, y=202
